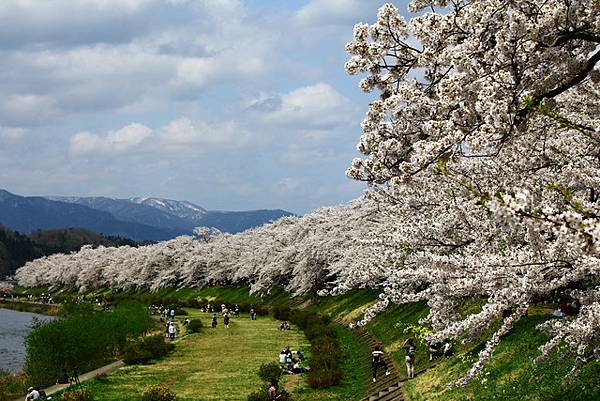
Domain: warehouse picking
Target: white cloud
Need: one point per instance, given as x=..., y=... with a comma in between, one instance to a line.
x=12, y=134
x=27, y=109
x=318, y=105
x=184, y=132
x=115, y=141
x=336, y=12
x=288, y=184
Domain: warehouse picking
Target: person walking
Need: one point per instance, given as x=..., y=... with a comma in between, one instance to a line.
x=410, y=349
x=213, y=322
x=226, y=320
x=377, y=360
x=172, y=330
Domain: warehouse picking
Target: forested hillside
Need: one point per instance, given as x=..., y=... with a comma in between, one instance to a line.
x=17, y=248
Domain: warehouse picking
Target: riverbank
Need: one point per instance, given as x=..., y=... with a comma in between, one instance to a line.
x=31, y=307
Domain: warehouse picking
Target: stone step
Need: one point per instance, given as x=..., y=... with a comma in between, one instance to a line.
x=394, y=394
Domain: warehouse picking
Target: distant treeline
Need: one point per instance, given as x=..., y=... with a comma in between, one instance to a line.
x=16, y=249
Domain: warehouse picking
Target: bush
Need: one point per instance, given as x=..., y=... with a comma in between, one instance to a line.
x=321, y=378
x=180, y=312
x=77, y=394
x=11, y=385
x=194, y=326
x=146, y=349
x=326, y=354
x=158, y=393
x=76, y=309
x=282, y=312
x=269, y=371
x=61, y=343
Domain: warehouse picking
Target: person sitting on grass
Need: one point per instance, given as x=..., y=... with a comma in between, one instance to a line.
x=32, y=394
x=282, y=358
x=297, y=368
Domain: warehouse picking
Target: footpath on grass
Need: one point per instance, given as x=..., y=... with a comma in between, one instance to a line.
x=82, y=378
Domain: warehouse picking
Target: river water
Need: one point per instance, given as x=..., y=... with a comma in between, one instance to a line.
x=14, y=326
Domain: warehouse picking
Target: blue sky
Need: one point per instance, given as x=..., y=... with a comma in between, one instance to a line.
x=229, y=104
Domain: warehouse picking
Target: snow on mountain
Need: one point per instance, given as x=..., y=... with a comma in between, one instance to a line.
x=183, y=209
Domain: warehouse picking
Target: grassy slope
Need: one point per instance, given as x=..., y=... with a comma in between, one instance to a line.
x=510, y=375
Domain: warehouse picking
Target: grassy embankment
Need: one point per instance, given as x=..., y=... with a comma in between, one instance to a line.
x=510, y=375
x=222, y=364
x=42, y=309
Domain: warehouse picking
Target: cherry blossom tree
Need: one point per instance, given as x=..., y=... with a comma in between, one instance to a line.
x=483, y=145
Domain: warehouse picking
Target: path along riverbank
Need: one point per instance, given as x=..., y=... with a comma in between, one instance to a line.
x=82, y=378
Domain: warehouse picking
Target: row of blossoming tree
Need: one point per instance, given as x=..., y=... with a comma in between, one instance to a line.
x=482, y=155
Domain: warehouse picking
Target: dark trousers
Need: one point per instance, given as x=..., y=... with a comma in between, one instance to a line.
x=375, y=366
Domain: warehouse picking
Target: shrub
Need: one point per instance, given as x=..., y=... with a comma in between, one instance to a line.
x=11, y=385
x=180, y=312
x=76, y=309
x=269, y=371
x=326, y=353
x=146, y=349
x=158, y=393
x=62, y=343
x=194, y=326
x=77, y=394
x=282, y=312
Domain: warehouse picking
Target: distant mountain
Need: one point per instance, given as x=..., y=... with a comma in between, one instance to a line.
x=185, y=210
x=128, y=210
x=26, y=214
x=16, y=249
x=233, y=222
x=177, y=216
x=142, y=219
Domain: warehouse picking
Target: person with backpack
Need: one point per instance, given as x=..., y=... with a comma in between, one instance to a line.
x=410, y=349
x=377, y=360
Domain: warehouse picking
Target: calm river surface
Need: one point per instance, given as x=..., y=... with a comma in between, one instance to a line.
x=14, y=326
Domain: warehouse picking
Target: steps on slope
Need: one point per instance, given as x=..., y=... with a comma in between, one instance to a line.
x=386, y=387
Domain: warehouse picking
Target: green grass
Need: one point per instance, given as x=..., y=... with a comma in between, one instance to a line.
x=50, y=310
x=219, y=364
x=510, y=374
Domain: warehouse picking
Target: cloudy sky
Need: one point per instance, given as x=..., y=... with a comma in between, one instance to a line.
x=229, y=104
